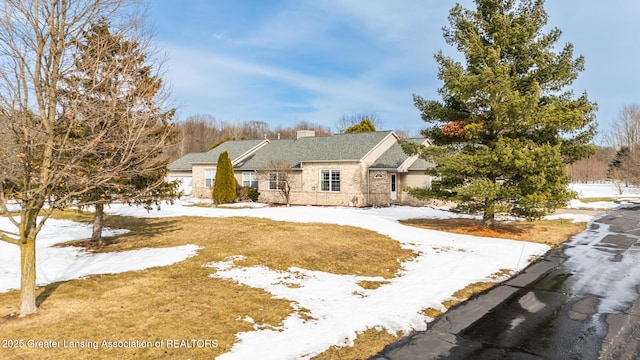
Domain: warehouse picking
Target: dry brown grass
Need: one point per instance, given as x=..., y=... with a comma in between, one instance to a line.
x=371, y=285
x=182, y=301
x=466, y=293
x=366, y=345
x=432, y=312
x=550, y=232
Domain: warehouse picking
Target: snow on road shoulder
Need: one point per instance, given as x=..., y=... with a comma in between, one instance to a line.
x=54, y=264
x=602, y=269
x=604, y=190
x=612, y=196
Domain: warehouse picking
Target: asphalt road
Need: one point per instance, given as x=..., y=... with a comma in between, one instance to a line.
x=581, y=301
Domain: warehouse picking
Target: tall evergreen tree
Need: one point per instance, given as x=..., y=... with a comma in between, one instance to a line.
x=506, y=126
x=625, y=166
x=42, y=165
x=224, y=187
x=115, y=92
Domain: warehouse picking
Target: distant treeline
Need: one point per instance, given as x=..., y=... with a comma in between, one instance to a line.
x=200, y=132
x=594, y=168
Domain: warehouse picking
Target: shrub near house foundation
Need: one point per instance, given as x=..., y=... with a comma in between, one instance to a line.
x=224, y=186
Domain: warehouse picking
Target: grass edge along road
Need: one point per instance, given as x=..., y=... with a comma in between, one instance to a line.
x=181, y=301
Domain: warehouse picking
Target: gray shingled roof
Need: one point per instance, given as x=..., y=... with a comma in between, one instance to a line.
x=338, y=147
x=391, y=159
x=394, y=156
x=234, y=148
x=185, y=162
x=421, y=164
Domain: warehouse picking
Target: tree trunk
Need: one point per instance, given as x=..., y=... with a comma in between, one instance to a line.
x=98, y=223
x=489, y=216
x=28, y=277
x=28, y=232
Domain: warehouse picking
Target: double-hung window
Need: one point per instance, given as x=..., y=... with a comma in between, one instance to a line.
x=277, y=180
x=330, y=180
x=250, y=178
x=209, y=177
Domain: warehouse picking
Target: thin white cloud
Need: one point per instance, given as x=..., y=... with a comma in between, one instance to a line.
x=316, y=60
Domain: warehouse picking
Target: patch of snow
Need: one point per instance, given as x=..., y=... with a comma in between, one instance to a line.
x=593, y=205
x=54, y=264
x=593, y=190
x=338, y=308
x=576, y=218
x=615, y=287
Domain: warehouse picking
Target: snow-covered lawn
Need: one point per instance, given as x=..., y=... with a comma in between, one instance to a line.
x=338, y=308
x=617, y=194
x=56, y=264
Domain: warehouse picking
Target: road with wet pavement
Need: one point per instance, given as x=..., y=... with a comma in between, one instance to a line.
x=580, y=301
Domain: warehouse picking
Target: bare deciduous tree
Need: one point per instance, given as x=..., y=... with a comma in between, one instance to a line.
x=44, y=164
x=199, y=132
x=624, y=136
x=593, y=168
x=625, y=131
x=278, y=174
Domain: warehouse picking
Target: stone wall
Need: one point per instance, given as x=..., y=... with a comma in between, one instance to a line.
x=306, y=188
x=379, y=188
x=200, y=191
x=354, y=188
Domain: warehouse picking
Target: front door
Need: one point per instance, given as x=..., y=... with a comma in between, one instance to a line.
x=394, y=186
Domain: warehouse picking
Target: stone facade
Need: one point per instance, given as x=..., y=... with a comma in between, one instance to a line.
x=199, y=190
x=306, y=186
x=368, y=164
x=379, y=188
x=358, y=186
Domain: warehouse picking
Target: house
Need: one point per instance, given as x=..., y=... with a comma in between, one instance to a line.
x=196, y=171
x=357, y=169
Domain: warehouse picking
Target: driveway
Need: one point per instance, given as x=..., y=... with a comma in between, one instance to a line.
x=581, y=301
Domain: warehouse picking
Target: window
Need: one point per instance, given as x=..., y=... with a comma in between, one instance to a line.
x=250, y=178
x=330, y=180
x=209, y=177
x=277, y=180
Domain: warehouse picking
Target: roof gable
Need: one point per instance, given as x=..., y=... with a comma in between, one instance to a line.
x=396, y=158
x=338, y=147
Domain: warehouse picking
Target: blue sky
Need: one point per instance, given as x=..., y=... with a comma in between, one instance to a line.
x=285, y=61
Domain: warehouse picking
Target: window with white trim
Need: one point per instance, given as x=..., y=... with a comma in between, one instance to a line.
x=250, y=178
x=329, y=180
x=277, y=180
x=209, y=177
